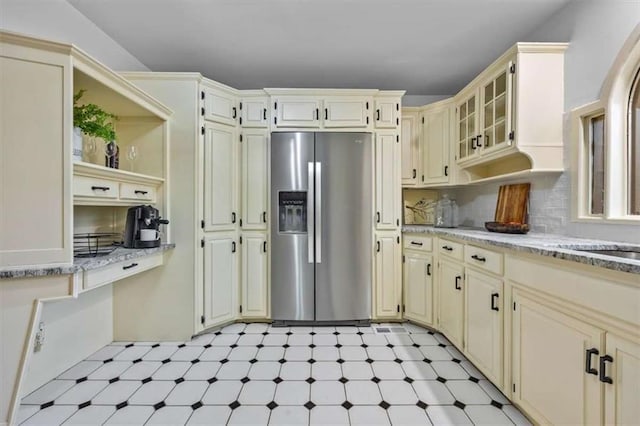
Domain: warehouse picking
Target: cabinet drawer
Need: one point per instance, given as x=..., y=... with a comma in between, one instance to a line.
x=131, y=191
x=96, y=188
x=450, y=249
x=418, y=243
x=120, y=270
x=484, y=259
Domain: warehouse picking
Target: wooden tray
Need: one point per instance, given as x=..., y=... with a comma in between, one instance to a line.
x=507, y=228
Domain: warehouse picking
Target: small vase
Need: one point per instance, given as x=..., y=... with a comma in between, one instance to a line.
x=77, y=144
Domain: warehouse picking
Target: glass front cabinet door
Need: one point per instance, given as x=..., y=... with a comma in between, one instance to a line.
x=497, y=106
x=467, y=117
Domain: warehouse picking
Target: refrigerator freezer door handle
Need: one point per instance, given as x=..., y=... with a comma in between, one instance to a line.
x=318, y=212
x=310, y=211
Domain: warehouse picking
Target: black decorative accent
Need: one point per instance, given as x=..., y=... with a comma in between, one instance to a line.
x=234, y=405
x=340, y=361
x=359, y=333
x=224, y=361
x=207, y=346
x=106, y=361
x=115, y=379
x=389, y=345
x=347, y=405
x=408, y=379
x=155, y=345
x=442, y=345
x=313, y=333
x=309, y=405
x=272, y=405
x=122, y=405
x=312, y=346
x=217, y=333
x=422, y=405
x=310, y=380
x=266, y=333
x=364, y=345
x=253, y=361
x=335, y=333
x=398, y=360
x=311, y=361
x=179, y=380
x=164, y=361
x=128, y=345
x=46, y=405
x=233, y=346
x=288, y=333
x=415, y=345
x=181, y=345
x=496, y=404
x=212, y=380
x=343, y=380
x=384, y=404
x=459, y=404
x=473, y=379
x=146, y=380
x=241, y=333
x=369, y=360
x=196, y=405
x=285, y=346
x=277, y=380
x=456, y=360
x=159, y=405
x=245, y=380
x=338, y=345
x=441, y=379
x=431, y=333
x=375, y=379
x=282, y=361
x=427, y=360
x=195, y=361
x=81, y=379
x=259, y=346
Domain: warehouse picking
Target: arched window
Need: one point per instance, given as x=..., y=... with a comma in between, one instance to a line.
x=634, y=146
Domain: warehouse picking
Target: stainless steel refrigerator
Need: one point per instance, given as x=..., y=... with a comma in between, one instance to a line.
x=321, y=210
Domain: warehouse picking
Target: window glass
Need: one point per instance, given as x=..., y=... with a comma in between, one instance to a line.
x=634, y=148
x=596, y=164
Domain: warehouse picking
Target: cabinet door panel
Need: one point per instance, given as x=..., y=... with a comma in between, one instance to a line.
x=220, y=278
x=451, y=300
x=255, y=148
x=418, y=287
x=220, y=156
x=483, y=324
x=254, y=112
x=297, y=112
x=220, y=107
x=346, y=113
x=388, y=276
x=386, y=113
x=435, y=141
x=254, y=276
x=409, y=139
x=622, y=397
x=549, y=351
x=387, y=181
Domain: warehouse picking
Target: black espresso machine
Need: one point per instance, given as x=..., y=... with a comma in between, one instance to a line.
x=142, y=227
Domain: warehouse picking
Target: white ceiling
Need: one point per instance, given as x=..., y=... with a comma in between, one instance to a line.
x=426, y=47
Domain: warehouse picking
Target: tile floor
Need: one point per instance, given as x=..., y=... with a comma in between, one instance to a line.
x=258, y=374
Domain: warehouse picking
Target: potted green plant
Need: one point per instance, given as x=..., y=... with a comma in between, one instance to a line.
x=93, y=121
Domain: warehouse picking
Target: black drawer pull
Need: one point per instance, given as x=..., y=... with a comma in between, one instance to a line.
x=317, y=113
x=378, y=115
x=414, y=173
x=447, y=248
x=428, y=269
x=587, y=362
x=235, y=112
x=458, y=279
x=233, y=217
x=326, y=113
x=233, y=246
x=473, y=143
x=264, y=217
x=478, y=258
x=378, y=246
x=264, y=114
x=378, y=217
x=478, y=141
x=603, y=366
x=139, y=191
x=416, y=243
x=264, y=246
x=100, y=188
x=494, y=299
x=133, y=265
x=446, y=170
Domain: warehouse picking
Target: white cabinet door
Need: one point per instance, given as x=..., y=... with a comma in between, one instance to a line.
x=254, y=112
x=219, y=106
x=388, y=185
x=483, y=324
x=294, y=111
x=410, y=144
x=387, y=112
x=435, y=146
x=451, y=300
x=418, y=287
x=220, y=278
x=549, y=350
x=388, y=275
x=254, y=275
x=220, y=177
x=622, y=396
x=255, y=163
x=346, y=112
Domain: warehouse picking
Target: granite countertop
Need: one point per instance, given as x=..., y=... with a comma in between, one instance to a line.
x=558, y=246
x=84, y=263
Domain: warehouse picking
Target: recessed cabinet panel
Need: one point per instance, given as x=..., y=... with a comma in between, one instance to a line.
x=622, y=396
x=347, y=112
x=451, y=298
x=388, y=258
x=254, y=275
x=220, y=278
x=387, y=181
x=220, y=107
x=220, y=153
x=255, y=148
x=435, y=154
x=255, y=112
x=387, y=112
x=418, y=287
x=297, y=112
x=410, y=140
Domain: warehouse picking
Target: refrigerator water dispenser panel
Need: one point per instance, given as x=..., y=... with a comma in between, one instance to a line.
x=292, y=212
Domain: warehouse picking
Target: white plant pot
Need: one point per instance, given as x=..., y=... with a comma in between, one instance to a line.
x=77, y=144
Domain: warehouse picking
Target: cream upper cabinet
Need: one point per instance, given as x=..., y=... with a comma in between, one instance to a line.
x=496, y=106
x=451, y=300
x=255, y=164
x=436, y=140
x=254, y=112
x=220, y=278
x=254, y=275
x=388, y=276
x=467, y=127
x=483, y=324
x=387, y=113
x=552, y=350
x=346, y=112
x=418, y=286
x=220, y=177
x=622, y=391
x=219, y=105
x=410, y=145
x=387, y=177
x=297, y=111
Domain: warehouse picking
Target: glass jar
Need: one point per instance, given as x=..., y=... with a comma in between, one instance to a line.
x=446, y=213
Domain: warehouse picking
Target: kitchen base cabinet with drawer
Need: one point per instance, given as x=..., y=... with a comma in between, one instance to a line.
x=418, y=287
x=97, y=277
x=451, y=301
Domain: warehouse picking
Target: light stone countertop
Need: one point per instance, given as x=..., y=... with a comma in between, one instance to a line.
x=84, y=263
x=558, y=246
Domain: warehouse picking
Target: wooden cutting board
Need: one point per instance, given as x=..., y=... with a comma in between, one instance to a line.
x=512, y=203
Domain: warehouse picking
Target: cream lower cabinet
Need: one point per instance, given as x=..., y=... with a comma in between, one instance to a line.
x=254, y=275
x=255, y=164
x=220, y=278
x=418, y=287
x=451, y=300
x=388, y=276
x=622, y=395
x=483, y=324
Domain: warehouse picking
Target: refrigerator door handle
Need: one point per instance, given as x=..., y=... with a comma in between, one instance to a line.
x=318, y=212
x=310, y=211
